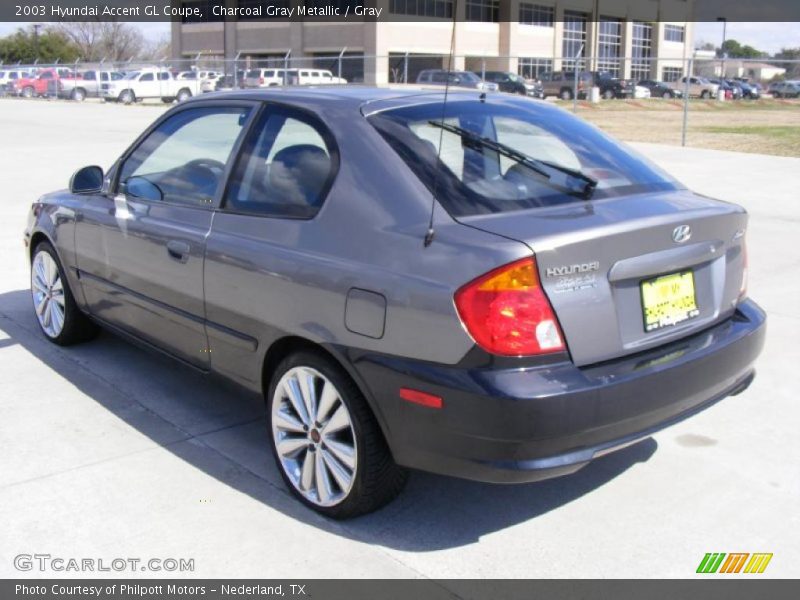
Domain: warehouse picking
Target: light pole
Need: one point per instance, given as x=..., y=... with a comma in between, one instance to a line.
x=724, y=22
x=36, y=27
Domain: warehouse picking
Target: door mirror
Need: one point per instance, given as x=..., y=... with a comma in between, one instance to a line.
x=88, y=180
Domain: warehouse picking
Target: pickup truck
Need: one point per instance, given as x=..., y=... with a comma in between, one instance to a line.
x=45, y=82
x=562, y=84
x=150, y=83
x=699, y=87
x=87, y=84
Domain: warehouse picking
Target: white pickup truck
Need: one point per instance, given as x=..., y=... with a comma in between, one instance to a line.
x=150, y=83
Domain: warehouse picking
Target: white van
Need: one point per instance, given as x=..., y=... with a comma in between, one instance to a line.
x=260, y=78
x=313, y=77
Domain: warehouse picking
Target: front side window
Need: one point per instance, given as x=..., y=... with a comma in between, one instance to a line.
x=146, y=77
x=474, y=178
x=183, y=159
x=285, y=169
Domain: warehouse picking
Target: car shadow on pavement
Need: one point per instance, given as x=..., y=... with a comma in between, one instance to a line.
x=226, y=433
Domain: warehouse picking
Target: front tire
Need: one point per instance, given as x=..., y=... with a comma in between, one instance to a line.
x=667, y=95
x=78, y=95
x=326, y=442
x=566, y=94
x=183, y=95
x=28, y=92
x=59, y=317
x=705, y=95
x=127, y=97
x=608, y=95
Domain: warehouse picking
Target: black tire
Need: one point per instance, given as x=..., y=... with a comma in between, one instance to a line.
x=77, y=326
x=565, y=94
x=608, y=95
x=28, y=92
x=167, y=100
x=667, y=95
x=705, y=95
x=183, y=95
x=127, y=97
x=79, y=94
x=377, y=479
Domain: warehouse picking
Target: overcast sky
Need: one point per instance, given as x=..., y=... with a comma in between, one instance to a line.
x=768, y=37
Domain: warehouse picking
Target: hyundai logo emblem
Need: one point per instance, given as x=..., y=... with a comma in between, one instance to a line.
x=681, y=234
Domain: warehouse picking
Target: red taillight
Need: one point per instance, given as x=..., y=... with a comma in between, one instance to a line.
x=506, y=312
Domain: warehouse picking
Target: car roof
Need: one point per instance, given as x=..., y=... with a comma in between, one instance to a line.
x=366, y=99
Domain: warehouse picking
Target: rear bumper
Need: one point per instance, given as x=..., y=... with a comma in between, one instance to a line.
x=520, y=425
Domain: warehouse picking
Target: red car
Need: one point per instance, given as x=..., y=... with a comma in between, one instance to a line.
x=46, y=81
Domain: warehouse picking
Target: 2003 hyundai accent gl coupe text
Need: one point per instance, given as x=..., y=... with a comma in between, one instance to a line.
x=481, y=286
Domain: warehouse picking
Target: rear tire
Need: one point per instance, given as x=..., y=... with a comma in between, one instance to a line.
x=608, y=95
x=168, y=100
x=183, y=95
x=705, y=95
x=78, y=95
x=566, y=94
x=59, y=317
x=127, y=97
x=28, y=92
x=333, y=456
x=667, y=95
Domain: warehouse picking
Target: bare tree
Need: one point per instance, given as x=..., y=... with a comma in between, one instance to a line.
x=157, y=48
x=112, y=40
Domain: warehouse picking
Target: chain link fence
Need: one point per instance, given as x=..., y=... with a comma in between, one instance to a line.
x=672, y=100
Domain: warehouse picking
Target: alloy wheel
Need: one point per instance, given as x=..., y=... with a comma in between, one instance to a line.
x=313, y=433
x=47, y=290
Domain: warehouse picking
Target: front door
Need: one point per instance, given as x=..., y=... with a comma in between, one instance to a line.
x=140, y=251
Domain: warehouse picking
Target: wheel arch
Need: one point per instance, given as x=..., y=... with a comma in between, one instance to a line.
x=289, y=344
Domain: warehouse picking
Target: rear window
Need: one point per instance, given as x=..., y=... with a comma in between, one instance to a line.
x=254, y=73
x=472, y=179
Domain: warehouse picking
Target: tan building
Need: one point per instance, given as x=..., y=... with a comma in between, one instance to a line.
x=626, y=37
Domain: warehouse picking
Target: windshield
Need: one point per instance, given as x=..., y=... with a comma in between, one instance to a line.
x=474, y=178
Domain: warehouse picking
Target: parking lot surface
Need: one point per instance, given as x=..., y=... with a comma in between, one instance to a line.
x=109, y=451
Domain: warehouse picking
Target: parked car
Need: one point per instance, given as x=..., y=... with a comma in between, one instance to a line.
x=786, y=89
x=9, y=77
x=640, y=92
x=731, y=91
x=209, y=84
x=463, y=79
x=87, y=84
x=512, y=83
x=44, y=82
x=226, y=82
x=196, y=74
x=699, y=87
x=749, y=90
x=150, y=83
x=562, y=84
x=259, y=78
x=660, y=89
x=313, y=77
x=566, y=298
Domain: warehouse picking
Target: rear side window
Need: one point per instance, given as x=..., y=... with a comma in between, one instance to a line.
x=285, y=168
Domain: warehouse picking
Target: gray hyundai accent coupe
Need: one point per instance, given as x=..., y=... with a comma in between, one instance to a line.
x=479, y=286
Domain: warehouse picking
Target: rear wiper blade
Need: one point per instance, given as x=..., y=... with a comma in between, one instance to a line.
x=538, y=166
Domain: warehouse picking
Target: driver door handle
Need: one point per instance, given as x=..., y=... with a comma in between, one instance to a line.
x=178, y=250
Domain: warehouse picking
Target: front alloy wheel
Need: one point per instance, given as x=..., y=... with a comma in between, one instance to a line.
x=327, y=444
x=48, y=294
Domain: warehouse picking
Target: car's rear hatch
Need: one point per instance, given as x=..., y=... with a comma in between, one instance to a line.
x=593, y=257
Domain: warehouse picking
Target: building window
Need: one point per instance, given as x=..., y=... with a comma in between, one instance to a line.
x=672, y=74
x=487, y=11
x=609, y=45
x=206, y=11
x=536, y=15
x=674, y=33
x=574, y=38
x=423, y=8
x=531, y=68
x=642, y=50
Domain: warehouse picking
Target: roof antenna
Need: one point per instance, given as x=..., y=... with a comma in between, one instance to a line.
x=430, y=233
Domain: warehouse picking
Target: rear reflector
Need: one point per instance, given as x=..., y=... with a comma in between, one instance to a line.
x=421, y=398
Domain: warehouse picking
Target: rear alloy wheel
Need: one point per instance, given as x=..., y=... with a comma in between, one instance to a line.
x=59, y=317
x=127, y=97
x=327, y=445
x=184, y=95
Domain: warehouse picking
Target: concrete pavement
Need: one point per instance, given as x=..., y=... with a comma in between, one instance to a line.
x=108, y=451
